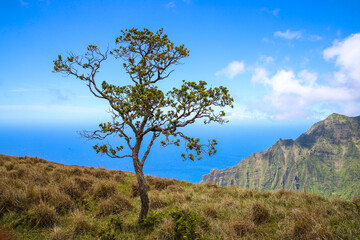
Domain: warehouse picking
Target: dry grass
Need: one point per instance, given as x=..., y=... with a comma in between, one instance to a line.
x=116, y=204
x=157, y=201
x=81, y=224
x=103, y=189
x=241, y=228
x=42, y=215
x=259, y=213
x=42, y=200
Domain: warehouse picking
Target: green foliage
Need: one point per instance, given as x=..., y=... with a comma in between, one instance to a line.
x=111, y=227
x=147, y=58
x=188, y=223
x=325, y=160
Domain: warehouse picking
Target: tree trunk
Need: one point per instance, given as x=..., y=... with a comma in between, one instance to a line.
x=142, y=189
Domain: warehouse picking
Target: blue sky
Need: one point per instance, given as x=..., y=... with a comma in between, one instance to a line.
x=281, y=60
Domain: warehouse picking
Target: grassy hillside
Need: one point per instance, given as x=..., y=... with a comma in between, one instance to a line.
x=325, y=160
x=43, y=200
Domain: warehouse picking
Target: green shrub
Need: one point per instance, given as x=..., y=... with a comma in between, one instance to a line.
x=188, y=224
x=111, y=227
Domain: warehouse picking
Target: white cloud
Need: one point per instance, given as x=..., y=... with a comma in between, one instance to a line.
x=288, y=34
x=274, y=12
x=347, y=58
x=243, y=113
x=260, y=75
x=297, y=95
x=230, y=71
x=170, y=4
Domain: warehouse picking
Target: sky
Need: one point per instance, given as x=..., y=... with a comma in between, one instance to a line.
x=282, y=61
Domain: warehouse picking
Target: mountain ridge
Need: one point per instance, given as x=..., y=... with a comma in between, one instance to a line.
x=324, y=160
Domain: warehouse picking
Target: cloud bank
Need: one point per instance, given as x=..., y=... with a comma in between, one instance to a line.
x=304, y=94
x=233, y=69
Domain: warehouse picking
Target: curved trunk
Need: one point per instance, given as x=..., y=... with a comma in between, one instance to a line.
x=142, y=191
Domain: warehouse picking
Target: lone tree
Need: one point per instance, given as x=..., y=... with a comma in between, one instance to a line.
x=141, y=108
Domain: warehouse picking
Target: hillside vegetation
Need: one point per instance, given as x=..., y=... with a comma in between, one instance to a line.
x=324, y=160
x=44, y=200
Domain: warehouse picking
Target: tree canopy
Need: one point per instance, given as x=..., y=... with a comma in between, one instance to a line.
x=142, y=108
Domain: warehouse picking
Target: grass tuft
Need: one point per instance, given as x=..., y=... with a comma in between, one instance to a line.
x=42, y=215
x=116, y=204
x=259, y=213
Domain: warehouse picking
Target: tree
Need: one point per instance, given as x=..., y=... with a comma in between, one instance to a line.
x=141, y=108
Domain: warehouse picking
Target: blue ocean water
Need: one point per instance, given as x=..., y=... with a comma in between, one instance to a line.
x=62, y=144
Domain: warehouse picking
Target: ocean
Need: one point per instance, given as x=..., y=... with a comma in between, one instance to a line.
x=63, y=144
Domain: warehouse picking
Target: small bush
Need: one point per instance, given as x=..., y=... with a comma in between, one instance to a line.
x=188, y=223
x=112, y=226
x=152, y=219
x=259, y=214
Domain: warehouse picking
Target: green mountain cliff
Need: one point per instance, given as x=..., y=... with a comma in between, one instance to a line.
x=324, y=160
